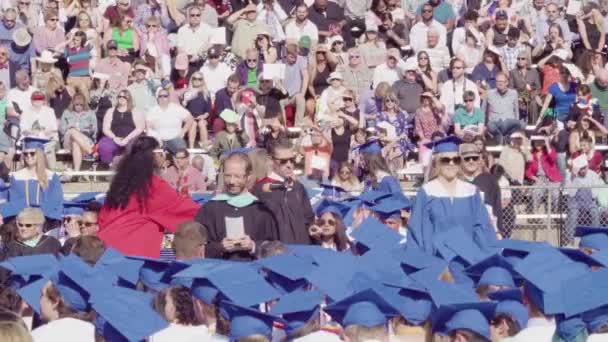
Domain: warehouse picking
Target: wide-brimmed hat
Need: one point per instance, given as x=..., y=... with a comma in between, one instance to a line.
x=335, y=76
x=46, y=57
x=21, y=37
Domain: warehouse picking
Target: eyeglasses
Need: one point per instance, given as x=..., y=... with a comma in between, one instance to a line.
x=150, y=26
x=26, y=225
x=471, y=158
x=214, y=57
x=291, y=160
x=197, y=78
x=252, y=60
x=337, y=42
x=29, y=154
x=24, y=3
x=163, y=95
x=328, y=222
x=346, y=99
x=195, y=15
x=422, y=58
x=521, y=58
x=180, y=157
x=124, y=4
x=354, y=56
x=345, y=172
x=54, y=19
x=469, y=100
x=9, y=21
x=389, y=101
x=122, y=97
x=452, y=160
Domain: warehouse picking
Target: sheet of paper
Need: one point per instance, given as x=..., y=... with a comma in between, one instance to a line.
x=318, y=163
x=235, y=227
x=574, y=7
x=274, y=70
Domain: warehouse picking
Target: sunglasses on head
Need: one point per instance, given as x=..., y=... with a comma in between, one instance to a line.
x=26, y=225
x=291, y=160
x=329, y=222
x=450, y=160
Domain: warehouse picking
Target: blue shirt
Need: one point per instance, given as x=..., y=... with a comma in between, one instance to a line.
x=441, y=13
x=21, y=55
x=563, y=100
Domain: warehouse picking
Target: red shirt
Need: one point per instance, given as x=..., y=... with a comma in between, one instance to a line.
x=595, y=162
x=141, y=233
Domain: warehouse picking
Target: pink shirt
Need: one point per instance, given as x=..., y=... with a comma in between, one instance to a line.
x=117, y=70
x=45, y=40
x=192, y=179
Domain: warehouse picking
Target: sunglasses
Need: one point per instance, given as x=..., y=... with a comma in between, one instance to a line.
x=328, y=222
x=452, y=160
x=163, y=95
x=338, y=42
x=291, y=160
x=252, y=60
x=427, y=11
x=195, y=15
x=345, y=99
x=471, y=158
x=54, y=19
x=26, y=225
x=24, y=3
x=389, y=101
x=423, y=58
x=469, y=100
x=354, y=56
x=521, y=58
x=345, y=172
x=150, y=26
x=122, y=97
x=457, y=68
x=29, y=154
x=197, y=78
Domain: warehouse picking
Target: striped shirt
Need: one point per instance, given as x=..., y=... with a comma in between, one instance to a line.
x=78, y=60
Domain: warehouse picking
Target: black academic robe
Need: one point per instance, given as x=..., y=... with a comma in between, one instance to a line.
x=46, y=245
x=258, y=220
x=292, y=209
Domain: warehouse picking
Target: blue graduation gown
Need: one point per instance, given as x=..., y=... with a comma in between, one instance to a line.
x=434, y=212
x=25, y=193
x=388, y=184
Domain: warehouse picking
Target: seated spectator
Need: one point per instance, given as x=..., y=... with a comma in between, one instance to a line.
x=45, y=71
x=189, y=241
x=270, y=94
x=317, y=154
x=224, y=100
x=394, y=32
x=373, y=49
x=399, y=121
x=251, y=120
x=543, y=173
x=246, y=27
x=194, y=37
x=595, y=158
x=198, y=102
x=426, y=72
x=38, y=120
x=502, y=108
x=526, y=81
x=452, y=91
x=78, y=129
x=85, y=22
x=250, y=68
x=563, y=92
x=554, y=45
x=439, y=55
x=582, y=188
x=267, y=53
x=345, y=178
x=514, y=156
x=19, y=98
x=408, y=89
x=471, y=52
x=216, y=72
x=49, y=35
x=357, y=76
x=154, y=47
x=231, y=137
x=9, y=69
x=112, y=13
x=272, y=14
x=470, y=28
x=169, y=122
x=332, y=93
x=296, y=81
x=182, y=176
x=328, y=230
x=389, y=71
x=484, y=73
x=301, y=26
x=30, y=240
x=429, y=119
x=498, y=32
x=553, y=19
x=512, y=49
x=121, y=124
x=418, y=33
x=469, y=121
x=117, y=70
x=142, y=88
x=585, y=126
x=21, y=51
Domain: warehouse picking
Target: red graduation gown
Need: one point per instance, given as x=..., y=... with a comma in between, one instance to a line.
x=140, y=233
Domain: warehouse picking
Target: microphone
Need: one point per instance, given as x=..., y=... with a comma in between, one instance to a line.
x=270, y=187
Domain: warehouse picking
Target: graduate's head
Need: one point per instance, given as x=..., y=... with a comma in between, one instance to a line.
x=90, y=224
x=29, y=223
x=360, y=333
x=14, y=332
x=89, y=248
x=237, y=173
x=190, y=240
x=53, y=306
x=446, y=158
x=329, y=226
x=503, y=326
x=283, y=158
x=465, y=335
x=176, y=305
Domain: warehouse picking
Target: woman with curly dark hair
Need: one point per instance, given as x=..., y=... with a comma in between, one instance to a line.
x=140, y=205
x=177, y=306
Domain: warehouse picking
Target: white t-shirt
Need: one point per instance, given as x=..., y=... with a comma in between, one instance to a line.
x=295, y=32
x=45, y=117
x=215, y=77
x=167, y=124
x=181, y=333
x=65, y=330
x=193, y=41
x=23, y=98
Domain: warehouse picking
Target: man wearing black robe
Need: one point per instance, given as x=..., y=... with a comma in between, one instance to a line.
x=285, y=196
x=236, y=221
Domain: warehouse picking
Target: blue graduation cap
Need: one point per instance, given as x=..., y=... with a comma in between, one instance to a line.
x=332, y=191
x=297, y=308
x=26, y=269
x=34, y=143
x=601, y=257
x=392, y=206
x=334, y=274
x=474, y=316
x=414, y=259
x=457, y=242
x=286, y=271
x=204, y=291
x=31, y=293
x=73, y=208
x=515, y=250
x=242, y=284
x=596, y=319
x=75, y=281
x=201, y=198
x=592, y=237
x=585, y=292
x=510, y=303
x=374, y=234
x=152, y=271
x=125, y=314
x=370, y=147
x=89, y=197
x=494, y=270
x=443, y=293
x=245, y=321
x=366, y=308
x=569, y=328
x=579, y=256
x=114, y=262
x=447, y=144
x=333, y=207
x=371, y=198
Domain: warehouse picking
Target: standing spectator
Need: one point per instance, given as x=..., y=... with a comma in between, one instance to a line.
x=376, y=172
x=113, y=66
x=485, y=72
x=430, y=118
x=513, y=49
x=112, y=14
x=255, y=220
x=514, y=157
x=50, y=35
x=554, y=44
x=395, y=117
x=408, y=90
x=357, y=76
x=224, y=100
x=285, y=196
x=193, y=38
x=329, y=96
x=526, y=81
x=453, y=90
x=151, y=9
x=426, y=72
x=154, y=48
x=231, y=137
x=270, y=94
x=246, y=27
x=250, y=116
x=389, y=71
x=542, y=172
x=296, y=81
x=443, y=12
x=30, y=238
x=271, y=13
x=301, y=26
x=586, y=126
x=553, y=18
x=342, y=130
x=419, y=31
x=470, y=28
x=215, y=72
x=78, y=129
x=329, y=18
x=439, y=55
x=142, y=89
x=591, y=28
x=582, y=187
x=502, y=109
x=471, y=52
x=564, y=93
x=169, y=122
x=599, y=91
x=319, y=69
x=79, y=58
x=182, y=176
x=317, y=153
x=198, y=102
x=267, y=53
x=121, y=124
x=346, y=178
x=497, y=34
x=140, y=205
x=469, y=121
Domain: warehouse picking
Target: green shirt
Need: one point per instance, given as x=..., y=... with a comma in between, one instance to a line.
x=465, y=119
x=600, y=94
x=252, y=77
x=3, y=110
